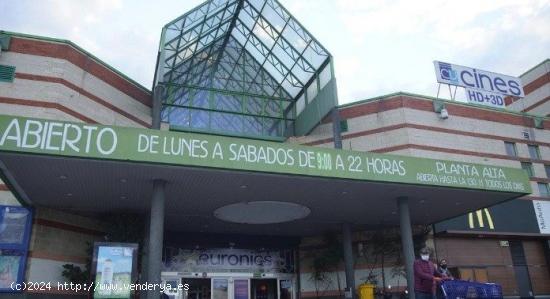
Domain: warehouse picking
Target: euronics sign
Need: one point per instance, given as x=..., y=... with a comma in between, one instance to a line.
x=472, y=78
x=144, y=145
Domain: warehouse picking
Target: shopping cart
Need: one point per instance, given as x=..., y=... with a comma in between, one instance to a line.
x=455, y=289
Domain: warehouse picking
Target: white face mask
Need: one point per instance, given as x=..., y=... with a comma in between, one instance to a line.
x=425, y=257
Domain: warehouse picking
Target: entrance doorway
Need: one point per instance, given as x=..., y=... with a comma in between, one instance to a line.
x=263, y=288
x=199, y=288
x=229, y=286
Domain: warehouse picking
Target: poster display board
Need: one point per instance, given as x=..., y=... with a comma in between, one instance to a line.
x=15, y=228
x=114, y=269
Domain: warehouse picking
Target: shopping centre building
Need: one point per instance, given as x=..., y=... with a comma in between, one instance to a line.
x=239, y=173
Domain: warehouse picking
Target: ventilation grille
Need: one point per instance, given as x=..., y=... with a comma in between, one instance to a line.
x=7, y=73
x=526, y=135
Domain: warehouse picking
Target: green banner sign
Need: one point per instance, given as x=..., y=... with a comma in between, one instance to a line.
x=144, y=145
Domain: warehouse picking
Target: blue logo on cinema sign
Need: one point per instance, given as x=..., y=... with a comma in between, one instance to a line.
x=447, y=73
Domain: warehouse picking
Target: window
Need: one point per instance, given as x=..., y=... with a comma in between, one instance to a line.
x=510, y=148
x=528, y=167
x=343, y=126
x=543, y=190
x=534, y=151
x=547, y=168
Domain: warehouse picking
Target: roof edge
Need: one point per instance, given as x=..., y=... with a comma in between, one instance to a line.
x=536, y=66
x=78, y=48
x=424, y=97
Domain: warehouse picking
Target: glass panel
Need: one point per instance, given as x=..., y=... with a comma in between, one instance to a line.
x=325, y=76
x=312, y=91
x=220, y=288
x=252, y=125
x=273, y=127
x=200, y=99
x=199, y=119
x=547, y=168
x=273, y=109
x=245, y=17
x=528, y=167
x=198, y=288
x=312, y=57
x=257, y=4
x=285, y=289
x=534, y=151
x=294, y=38
x=274, y=18
x=543, y=189
x=300, y=105
x=240, y=289
x=13, y=222
x=225, y=102
x=180, y=117
x=226, y=122
x=510, y=148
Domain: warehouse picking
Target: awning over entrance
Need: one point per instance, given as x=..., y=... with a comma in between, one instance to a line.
x=102, y=169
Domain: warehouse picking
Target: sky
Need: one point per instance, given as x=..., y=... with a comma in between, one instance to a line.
x=379, y=46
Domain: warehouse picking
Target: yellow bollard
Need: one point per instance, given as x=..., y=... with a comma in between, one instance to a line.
x=366, y=291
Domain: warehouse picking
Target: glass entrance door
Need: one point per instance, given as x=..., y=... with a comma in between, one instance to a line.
x=230, y=286
x=263, y=289
x=199, y=288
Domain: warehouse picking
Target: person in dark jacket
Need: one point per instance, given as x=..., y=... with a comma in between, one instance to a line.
x=445, y=275
x=425, y=276
x=443, y=270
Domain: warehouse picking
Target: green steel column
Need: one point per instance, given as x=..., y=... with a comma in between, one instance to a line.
x=156, y=237
x=407, y=242
x=348, y=261
x=157, y=107
x=336, y=129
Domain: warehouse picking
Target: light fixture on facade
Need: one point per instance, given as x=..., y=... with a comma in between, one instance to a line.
x=439, y=107
x=62, y=177
x=261, y=212
x=444, y=114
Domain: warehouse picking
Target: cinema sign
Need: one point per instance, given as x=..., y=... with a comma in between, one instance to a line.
x=472, y=78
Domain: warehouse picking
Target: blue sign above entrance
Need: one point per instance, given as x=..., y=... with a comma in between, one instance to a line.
x=229, y=260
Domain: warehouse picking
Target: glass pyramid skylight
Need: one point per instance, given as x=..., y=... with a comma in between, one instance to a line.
x=239, y=67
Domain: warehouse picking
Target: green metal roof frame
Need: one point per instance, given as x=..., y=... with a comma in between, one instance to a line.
x=241, y=57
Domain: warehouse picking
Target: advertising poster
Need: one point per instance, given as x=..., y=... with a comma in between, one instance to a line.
x=10, y=264
x=241, y=288
x=13, y=221
x=542, y=212
x=15, y=226
x=114, y=269
x=220, y=289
